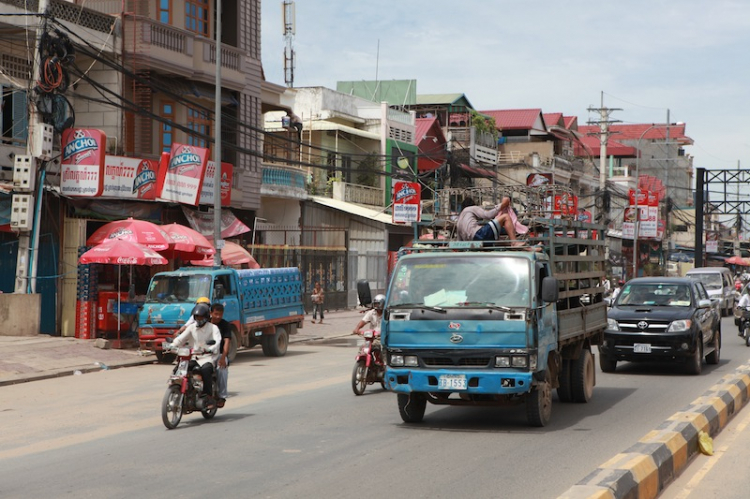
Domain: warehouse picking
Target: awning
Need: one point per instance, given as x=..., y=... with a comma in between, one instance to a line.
x=477, y=172
x=355, y=209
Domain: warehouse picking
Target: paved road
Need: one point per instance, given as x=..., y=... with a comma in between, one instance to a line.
x=293, y=428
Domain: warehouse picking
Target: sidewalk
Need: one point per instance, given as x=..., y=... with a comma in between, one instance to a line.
x=31, y=358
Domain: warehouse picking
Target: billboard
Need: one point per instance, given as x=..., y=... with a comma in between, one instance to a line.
x=182, y=179
x=82, y=162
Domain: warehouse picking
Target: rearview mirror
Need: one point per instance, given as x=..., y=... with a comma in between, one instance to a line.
x=364, y=293
x=705, y=303
x=549, y=289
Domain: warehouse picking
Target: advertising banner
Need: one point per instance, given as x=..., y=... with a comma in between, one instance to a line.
x=82, y=162
x=539, y=179
x=406, y=202
x=203, y=222
x=712, y=242
x=648, y=227
x=130, y=178
x=182, y=179
x=207, y=192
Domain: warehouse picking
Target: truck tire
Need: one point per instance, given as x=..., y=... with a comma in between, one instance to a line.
x=582, y=377
x=539, y=403
x=714, y=357
x=277, y=343
x=265, y=344
x=694, y=364
x=607, y=364
x=564, y=391
x=233, y=343
x=411, y=406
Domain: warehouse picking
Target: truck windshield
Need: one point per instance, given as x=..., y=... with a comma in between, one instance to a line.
x=462, y=282
x=179, y=288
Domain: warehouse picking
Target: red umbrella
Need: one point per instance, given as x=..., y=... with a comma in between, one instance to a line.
x=121, y=252
x=187, y=243
x=135, y=231
x=232, y=254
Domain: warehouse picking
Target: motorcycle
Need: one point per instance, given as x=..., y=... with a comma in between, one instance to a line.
x=185, y=390
x=369, y=367
x=745, y=324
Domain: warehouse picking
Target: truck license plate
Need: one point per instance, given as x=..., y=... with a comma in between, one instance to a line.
x=452, y=382
x=642, y=348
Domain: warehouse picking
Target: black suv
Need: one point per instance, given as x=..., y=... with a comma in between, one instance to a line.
x=662, y=318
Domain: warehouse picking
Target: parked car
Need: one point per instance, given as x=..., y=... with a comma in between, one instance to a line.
x=662, y=319
x=719, y=283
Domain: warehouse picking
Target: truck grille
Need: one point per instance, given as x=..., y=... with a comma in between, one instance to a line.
x=460, y=361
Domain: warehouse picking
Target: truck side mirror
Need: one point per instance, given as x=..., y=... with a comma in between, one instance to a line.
x=364, y=293
x=218, y=291
x=550, y=289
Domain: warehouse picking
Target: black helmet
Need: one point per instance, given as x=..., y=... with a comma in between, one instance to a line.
x=378, y=302
x=201, y=313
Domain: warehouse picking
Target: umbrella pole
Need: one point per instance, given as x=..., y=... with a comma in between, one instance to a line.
x=118, y=301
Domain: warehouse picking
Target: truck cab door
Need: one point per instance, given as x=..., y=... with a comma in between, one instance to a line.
x=225, y=292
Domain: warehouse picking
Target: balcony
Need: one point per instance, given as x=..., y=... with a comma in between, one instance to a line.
x=283, y=182
x=359, y=194
x=153, y=45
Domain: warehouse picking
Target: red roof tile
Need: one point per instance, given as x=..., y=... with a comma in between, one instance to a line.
x=515, y=119
x=570, y=122
x=431, y=152
x=553, y=119
x=614, y=148
x=634, y=132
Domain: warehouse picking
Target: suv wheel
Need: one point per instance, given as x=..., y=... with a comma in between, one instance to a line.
x=694, y=364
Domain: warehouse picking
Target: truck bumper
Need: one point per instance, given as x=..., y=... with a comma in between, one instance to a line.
x=497, y=382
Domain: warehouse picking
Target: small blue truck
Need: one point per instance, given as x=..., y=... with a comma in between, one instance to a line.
x=478, y=323
x=263, y=306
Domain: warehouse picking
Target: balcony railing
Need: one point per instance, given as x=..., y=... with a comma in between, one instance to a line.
x=360, y=194
x=286, y=182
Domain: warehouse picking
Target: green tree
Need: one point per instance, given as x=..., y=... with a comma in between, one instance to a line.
x=367, y=171
x=483, y=123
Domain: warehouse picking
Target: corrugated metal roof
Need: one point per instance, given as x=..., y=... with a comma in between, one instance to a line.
x=634, y=132
x=570, y=122
x=553, y=119
x=355, y=209
x=431, y=151
x=517, y=119
x=614, y=148
x=444, y=99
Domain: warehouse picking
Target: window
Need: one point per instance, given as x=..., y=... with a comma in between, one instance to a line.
x=331, y=163
x=14, y=118
x=167, y=132
x=196, y=16
x=164, y=11
x=199, y=123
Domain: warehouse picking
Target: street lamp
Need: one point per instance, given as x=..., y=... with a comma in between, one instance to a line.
x=637, y=181
x=255, y=224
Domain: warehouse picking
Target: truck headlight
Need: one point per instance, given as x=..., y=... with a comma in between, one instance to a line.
x=681, y=325
x=411, y=361
x=613, y=325
x=518, y=361
x=397, y=360
x=146, y=331
x=502, y=361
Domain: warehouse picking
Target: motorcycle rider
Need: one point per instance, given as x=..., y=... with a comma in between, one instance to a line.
x=202, y=299
x=372, y=319
x=744, y=302
x=217, y=318
x=198, y=334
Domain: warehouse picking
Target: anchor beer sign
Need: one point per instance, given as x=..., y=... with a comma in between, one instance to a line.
x=182, y=179
x=406, y=202
x=82, y=162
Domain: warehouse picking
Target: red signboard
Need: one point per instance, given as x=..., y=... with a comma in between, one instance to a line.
x=182, y=179
x=207, y=192
x=130, y=178
x=82, y=162
x=406, y=202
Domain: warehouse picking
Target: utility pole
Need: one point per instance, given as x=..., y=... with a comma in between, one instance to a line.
x=218, y=241
x=289, y=32
x=604, y=122
x=666, y=179
x=22, y=284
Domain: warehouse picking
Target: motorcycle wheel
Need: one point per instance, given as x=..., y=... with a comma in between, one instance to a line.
x=359, y=377
x=171, y=407
x=209, y=413
x=747, y=339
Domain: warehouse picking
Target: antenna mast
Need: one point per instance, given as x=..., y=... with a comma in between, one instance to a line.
x=289, y=32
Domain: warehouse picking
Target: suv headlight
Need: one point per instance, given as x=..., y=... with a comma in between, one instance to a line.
x=681, y=325
x=613, y=325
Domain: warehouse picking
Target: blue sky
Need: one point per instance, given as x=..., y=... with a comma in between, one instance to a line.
x=689, y=56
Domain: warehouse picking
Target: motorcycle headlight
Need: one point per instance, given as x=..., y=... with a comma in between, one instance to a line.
x=397, y=360
x=183, y=352
x=368, y=334
x=681, y=325
x=613, y=325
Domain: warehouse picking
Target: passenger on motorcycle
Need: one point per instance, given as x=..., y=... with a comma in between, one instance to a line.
x=202, y=299
x=372, y=319
x=197, y=335
x=744, y=303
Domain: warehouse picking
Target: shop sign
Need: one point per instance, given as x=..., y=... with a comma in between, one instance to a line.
x=82, y=162
x=539, y=179
x=130, y=178
x=182, y=179
x=207, y=193
x=406, y=202
x=203, y=222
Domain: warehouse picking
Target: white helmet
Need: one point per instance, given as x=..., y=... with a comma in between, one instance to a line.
x=378, y=302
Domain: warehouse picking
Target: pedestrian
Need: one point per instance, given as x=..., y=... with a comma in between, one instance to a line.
x=222, y=365
x=502, y=222
x=317, y=297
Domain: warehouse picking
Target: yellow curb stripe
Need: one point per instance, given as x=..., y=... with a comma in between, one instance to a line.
x=588, y=492
x=676, y=444
x=697, y=419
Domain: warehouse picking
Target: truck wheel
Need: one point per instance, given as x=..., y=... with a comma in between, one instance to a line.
x=582, y=377
x=277, y=344
x=607, y=364
x=564, y=391
x=411, y=406
x=714, y=357
x=539, y=404
x=233, y=345
x=694, y=364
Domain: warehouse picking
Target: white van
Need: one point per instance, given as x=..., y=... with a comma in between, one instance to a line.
x=719, y=283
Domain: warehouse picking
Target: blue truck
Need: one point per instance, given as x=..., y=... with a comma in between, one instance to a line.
x=473, y=323
x=263, y=306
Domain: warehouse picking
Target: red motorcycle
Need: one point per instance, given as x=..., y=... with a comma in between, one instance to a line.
x=369, y=367
x=185, y=390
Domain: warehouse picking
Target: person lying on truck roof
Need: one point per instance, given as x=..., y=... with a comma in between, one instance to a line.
x=502, y=222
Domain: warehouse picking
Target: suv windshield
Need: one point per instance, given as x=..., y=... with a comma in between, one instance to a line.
x=179, y=288
x=710, y=281
x=655, y=295
x=462, y=282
